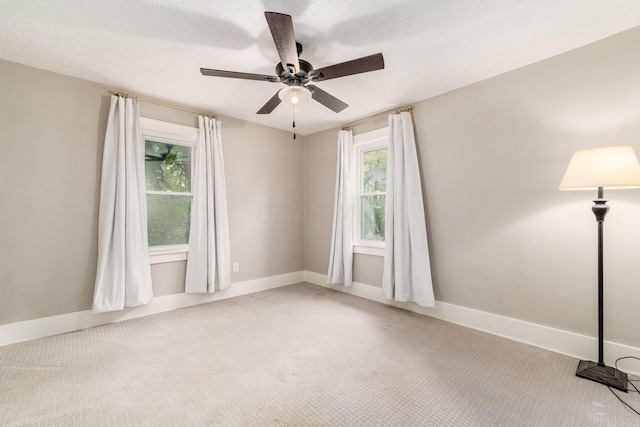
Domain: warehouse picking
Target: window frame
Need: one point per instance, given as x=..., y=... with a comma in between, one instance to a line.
x=169, y=133
x=368, y=141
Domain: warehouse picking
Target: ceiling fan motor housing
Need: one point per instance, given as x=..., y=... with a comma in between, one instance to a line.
x=303, y=76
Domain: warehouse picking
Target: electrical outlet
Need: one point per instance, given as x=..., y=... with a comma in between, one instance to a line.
x=236, y=267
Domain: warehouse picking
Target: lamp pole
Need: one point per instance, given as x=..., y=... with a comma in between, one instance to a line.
x=599, y=372
x=600, y=209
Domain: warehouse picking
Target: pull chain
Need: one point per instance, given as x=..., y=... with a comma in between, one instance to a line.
x=294, y=121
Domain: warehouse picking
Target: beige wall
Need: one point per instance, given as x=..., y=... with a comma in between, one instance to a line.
x=503, y=238
x=51, y=138
x=319, y=185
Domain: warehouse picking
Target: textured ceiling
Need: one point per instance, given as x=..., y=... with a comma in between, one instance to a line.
x=156, y=47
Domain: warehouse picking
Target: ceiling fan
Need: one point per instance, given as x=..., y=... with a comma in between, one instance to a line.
x=297, y=73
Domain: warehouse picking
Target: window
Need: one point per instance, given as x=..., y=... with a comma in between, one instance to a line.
x=168, y=152
x=167, y=170
x=371, y=150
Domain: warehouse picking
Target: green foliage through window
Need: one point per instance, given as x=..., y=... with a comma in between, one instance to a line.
x=168, y=171
x=372, y=199
x=374, y=171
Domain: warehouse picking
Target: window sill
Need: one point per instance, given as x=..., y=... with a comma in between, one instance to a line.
x=170, y=253
x=368, y=250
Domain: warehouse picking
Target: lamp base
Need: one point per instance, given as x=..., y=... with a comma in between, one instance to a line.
x=602, y=374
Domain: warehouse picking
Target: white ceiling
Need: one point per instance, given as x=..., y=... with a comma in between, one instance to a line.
x=156, y=47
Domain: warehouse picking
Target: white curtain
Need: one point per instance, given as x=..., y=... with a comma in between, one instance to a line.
x=123, y=277
x=209, y=259
x=341, y=257
x=407, y=269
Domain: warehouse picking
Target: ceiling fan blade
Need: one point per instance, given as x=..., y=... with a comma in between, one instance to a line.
x=329, y=101
x=355, y=66
x=270, y=105
x=281, y=27
x=237, y=75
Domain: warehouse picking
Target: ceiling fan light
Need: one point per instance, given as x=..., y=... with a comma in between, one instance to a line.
x=294, y=96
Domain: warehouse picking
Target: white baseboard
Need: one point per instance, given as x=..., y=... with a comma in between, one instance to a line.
x=54, y=325
x=557, y=340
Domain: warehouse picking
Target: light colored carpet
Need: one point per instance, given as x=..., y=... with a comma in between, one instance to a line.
x=300, y=355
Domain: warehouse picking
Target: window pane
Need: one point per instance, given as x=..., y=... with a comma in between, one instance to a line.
x=169, y=219
x=374, y=171
x=167, y=167
x=372, y=215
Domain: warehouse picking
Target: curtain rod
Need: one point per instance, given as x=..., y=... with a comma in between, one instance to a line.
x=164, y=104
x=380, y=116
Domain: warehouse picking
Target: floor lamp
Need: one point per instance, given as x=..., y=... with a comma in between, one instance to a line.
x=599, y=168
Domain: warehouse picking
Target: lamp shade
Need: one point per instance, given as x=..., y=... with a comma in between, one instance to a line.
x=607, y=167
